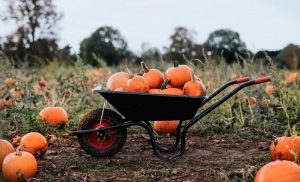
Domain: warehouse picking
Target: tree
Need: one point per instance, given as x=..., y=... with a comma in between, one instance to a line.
x=107, y=43
x=290, y=57
x=150, y=53
x=35, y=21
x=182, y=43
x=226, y=43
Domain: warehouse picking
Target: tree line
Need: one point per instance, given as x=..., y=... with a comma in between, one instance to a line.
x=35, y=42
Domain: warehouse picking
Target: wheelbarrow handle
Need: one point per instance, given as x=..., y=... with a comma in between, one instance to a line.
x=262, y=80
x=243, y=79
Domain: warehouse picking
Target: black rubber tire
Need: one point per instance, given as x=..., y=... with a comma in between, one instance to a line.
x=95, y=116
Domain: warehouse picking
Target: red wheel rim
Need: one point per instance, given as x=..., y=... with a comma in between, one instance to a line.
x=102, y=140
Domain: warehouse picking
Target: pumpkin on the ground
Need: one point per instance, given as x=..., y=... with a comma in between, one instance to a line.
x=285, y=148
x=54, y=115
x=35, y=143
x=19, y=166
x=270, y=89
x=278, y=171
x=165, y=126
x=153, y=76
x=6, y=148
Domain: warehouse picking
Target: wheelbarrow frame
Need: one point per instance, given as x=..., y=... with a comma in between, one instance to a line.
x=181, y=129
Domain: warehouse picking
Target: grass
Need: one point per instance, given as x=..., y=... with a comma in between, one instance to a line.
x=69, y=86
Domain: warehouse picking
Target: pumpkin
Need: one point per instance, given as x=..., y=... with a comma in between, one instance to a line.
x=19, y=166
x=54, y=115
x=278, y=171
x=16, y=92
x=165, y=126
x=252, y=100
x=167, y=90
x=178, y=75
x=137, y=84
x=43, y=83
x=11, y=83
x=292, y=77
x=6, y=148
x=284, y=148
x=35, y=143
x=117, y=80
x=195, y=87
x=9, y=102
x=153, y=76
x=270, y=89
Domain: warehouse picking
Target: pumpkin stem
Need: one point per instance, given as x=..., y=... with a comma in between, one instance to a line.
x=175, y=63
x=144, y=66
x=19, y=149
x=129, y=72
x=20, y=176
x=164, y=84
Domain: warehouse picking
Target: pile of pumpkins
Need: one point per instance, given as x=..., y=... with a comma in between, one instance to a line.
x=21, y=164
x=283, y=151
x=177, y=80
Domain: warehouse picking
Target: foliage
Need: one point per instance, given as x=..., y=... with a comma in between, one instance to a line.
x=35, y=32
x=290, y=56
x=183, y=43
x=107, y=43
x=227, y=43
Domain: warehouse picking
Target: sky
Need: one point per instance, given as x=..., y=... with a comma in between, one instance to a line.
x=262, y=24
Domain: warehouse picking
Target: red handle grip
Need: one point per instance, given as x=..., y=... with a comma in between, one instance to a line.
x=262, y=80
x=243, y=79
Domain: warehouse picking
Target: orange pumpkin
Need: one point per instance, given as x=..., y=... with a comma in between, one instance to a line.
x=292, y=77
x=284, y=148
x=19, y=166
x=178, y=75
x=195, y=87
x=9, y=102
x=6, y=148
x=165, y=126
x=16, y=92
x=43, y=83
x=270, y=89
x=278, y=171
x=153, y=76
x=35, y=143
x=117, y=80
x=137, y=84
x=54, y=115
x=11, y=83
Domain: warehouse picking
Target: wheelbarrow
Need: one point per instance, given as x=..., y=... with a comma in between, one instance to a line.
x=103, y=132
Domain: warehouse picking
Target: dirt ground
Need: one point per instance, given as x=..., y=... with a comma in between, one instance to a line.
x=216, y=158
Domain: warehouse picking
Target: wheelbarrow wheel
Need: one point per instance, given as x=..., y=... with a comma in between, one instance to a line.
x=101, y=144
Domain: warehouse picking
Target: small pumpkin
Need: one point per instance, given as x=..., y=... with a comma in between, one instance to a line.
x=54, y=115
x=195, y=87
x=137, y=84
x=292, y=77
x=9, y=102
x=278, y=171
x=178, y=75
x=153, y=76
x=270, y=89
x=6, y=148
x=11, y=83
x=284, y=148
x=167, y=90
x=19, y=166
x=43, y=83
x=35, y=143
x=165, y=126
x=117, y=80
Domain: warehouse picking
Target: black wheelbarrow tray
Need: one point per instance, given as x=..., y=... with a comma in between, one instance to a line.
x=103, y=132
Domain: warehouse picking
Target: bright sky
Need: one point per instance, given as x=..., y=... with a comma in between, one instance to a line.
x=262, y=24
